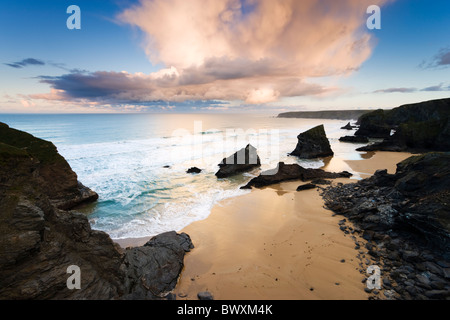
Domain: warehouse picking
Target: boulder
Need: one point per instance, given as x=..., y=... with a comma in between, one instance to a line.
x=194, y=170
x=313, y=144
x=152, y=271
x=244, y=160
x=205, y=296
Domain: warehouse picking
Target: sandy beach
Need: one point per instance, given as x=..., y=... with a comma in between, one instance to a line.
x=277, y=244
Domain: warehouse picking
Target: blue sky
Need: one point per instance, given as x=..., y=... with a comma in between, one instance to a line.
x=134, y=56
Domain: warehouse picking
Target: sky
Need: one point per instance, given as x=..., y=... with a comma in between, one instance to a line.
x=266, y=56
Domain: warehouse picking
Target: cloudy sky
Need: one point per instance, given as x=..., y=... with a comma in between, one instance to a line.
x=221, y=55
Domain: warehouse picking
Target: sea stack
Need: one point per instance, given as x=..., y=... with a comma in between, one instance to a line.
x=244, y=160
x=313, y=144
x=348, y=127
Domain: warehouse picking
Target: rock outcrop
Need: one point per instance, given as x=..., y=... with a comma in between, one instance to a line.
x=416, y=137
x=244, y=160
x=313, y=144
x=56, y=178
x=290, y=172
x=152, y=271
x=348, y=127
x=374, y=125
x=354, y=139
x=419, y=127
x=405, y=217
x=194, y=170
x=307, y=186
x=39, y=240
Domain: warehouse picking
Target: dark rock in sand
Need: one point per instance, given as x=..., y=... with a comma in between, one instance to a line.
x=307, y=186
x=354, y=139
x=289, y=172
x=194, y=170
x=152, y=271
x=205, y=296
x=244, y=160
x=321, y=181
x=313, y=144
x=39, y=240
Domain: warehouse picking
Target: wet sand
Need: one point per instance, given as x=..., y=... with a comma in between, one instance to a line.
x=378, y=160
x=276, y=244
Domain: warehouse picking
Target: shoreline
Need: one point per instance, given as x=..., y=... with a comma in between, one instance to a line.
x=276, y=243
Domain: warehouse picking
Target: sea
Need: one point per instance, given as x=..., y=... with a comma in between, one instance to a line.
x=137, y=163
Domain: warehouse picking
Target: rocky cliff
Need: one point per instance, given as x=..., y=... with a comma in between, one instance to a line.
x=419, y=127
x=52, y=172
x=331, y=114
x=405, y=217
x=40, y=238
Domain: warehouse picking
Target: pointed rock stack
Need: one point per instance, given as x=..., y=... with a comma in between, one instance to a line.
x=244, y=160
x=313, y=144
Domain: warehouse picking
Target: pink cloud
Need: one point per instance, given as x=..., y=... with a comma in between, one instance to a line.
x=254, y=51
x=306, y=38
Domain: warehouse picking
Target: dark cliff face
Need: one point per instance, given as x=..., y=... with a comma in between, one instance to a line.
x=39, y=240
x=425, y=180
x=373, y=125
x=419, y=112
x=419, y=127
x=52, y=172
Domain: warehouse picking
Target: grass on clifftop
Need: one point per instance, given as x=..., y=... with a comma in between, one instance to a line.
x=43, y=150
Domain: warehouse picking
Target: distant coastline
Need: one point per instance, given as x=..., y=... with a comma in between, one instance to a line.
x=333, y=115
